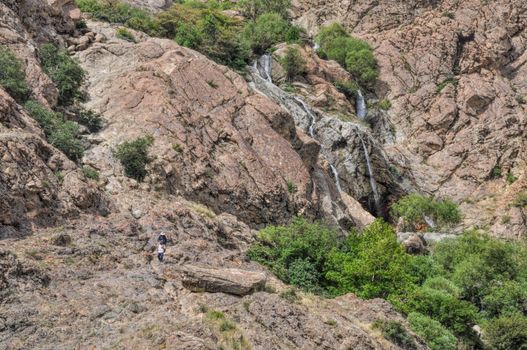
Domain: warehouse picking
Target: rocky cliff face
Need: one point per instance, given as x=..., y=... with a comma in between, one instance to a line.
x=455, y=74
x=225, y=161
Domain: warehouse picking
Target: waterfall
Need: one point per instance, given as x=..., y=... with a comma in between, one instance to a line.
x=261, y=70
x=429, y=221
x=311, y=115
x=336, y=175
x=373, y=183
x=361, y=105
x=264, y=66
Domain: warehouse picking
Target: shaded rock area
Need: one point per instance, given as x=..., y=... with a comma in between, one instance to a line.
x=454, y=72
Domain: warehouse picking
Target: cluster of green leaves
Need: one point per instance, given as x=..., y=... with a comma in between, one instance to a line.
x=133, y=155
x=61, y=133
x=116, y=12
x=470, y=280
x=65, y=72
x=125, y=34
x=415, y=207
x=293, y=63
x=203, y=26
x=13, y=76
x=354, y=54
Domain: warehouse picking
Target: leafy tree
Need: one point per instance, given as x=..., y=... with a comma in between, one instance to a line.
x=65, y=72
x=414, y=207
x=373, y=265
x=293, y=63
x=134, y=157
x=506, y=333
x=505, y=299
x=296, y=253
x=434, y=334
x=353, y=54
x=12, y=75
x=267, y=30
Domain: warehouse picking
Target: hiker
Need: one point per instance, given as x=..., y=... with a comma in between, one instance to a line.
x=162, y=239
x=160, y=252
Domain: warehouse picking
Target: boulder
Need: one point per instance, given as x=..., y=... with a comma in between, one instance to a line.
x=225, y=280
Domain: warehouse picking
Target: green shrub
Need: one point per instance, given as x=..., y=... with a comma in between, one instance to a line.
x=396, y=333
x=89, y=119
x=117, y=12
x=304, y=274
x=354, y=54
x=505, y=299
x=125, y=34
x=291, y=187
x=372, y=264
x=267, y=30
x=64, y=137
x=444, y=83
x=414, y=207
x=293, y=63
x=347, y=87
x=133, y=156
x=65, y=72
x=433, y=333
x=520, y=201
x=506, y=333
x=496, y=172
x=511, y=178
x=279, y=248
x=90, y=173
x=12, y=76
x=60, y=133
x=252, y=9
x=385, y=104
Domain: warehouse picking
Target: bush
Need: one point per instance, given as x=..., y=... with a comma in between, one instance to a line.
x=12, y=76
x=293, y=63
x=415, y=207
x=433, y=333
x=354, y=54
x=505, y=299
x=90, y=173
x=347, y=87
x=267, y=30
x=125, y=34
x=252, y=9
x=506, y=333
x=89, y=119
x=396, y=333
x=372, y=264
x=520, y=201
x=385, y=104
x=117, y=12
x=133, y=156
x=59, y=132
x=65, y=72
x=295, y=252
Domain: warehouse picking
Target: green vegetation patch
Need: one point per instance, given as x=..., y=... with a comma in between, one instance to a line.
x=65, y=72
x=13, y=76
x=396, y=333
x=415, y=207
x=133, y=155
x=293, y=63
x=353, y=54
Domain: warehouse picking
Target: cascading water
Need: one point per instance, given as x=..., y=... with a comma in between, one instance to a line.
x=336, y=175
x=362, y=111
x=373, y=183
x=263, y=83
x=310, y=113
x=264, y=66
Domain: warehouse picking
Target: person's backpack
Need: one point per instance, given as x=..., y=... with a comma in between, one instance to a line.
x=162, y=239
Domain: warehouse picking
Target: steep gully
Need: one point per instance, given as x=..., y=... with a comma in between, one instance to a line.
x=261, y=74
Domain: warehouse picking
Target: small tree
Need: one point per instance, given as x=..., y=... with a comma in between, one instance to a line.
x=255, y=8
x=12, y=76
x=436, y=336
x=506, y=333
x=134, y=157
x=293, y=63
x=65, y=72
